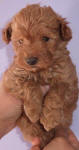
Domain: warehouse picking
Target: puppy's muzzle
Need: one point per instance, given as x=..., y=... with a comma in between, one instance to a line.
x=32, y=60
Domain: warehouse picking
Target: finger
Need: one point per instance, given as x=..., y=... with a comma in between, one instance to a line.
x=35, y=148
x=59, y=143
x=73, y=139
x=68, y=135
x=36, y=141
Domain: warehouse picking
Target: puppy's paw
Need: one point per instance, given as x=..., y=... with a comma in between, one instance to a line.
x=32, y=113
x=50, y=119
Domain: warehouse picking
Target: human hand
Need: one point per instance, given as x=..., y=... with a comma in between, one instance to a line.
x=10, y=111
x=64, y=140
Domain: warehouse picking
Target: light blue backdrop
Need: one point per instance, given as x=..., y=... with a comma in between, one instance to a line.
x=66, y=8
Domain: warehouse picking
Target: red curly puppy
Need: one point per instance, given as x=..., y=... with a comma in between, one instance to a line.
x=39, y=37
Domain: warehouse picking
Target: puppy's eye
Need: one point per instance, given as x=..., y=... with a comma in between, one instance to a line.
x=45, y=38
x=20, y=42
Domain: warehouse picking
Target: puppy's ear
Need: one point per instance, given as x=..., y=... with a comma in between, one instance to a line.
x=6, y=33
x=65, y=31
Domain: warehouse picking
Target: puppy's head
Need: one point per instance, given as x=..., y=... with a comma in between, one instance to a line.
x=36, y=34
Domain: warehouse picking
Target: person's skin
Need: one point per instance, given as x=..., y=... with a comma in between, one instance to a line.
x=10, y=111
x=64, y=140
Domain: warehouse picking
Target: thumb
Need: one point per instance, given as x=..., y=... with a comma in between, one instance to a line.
x=68, y=135
x=73, y=139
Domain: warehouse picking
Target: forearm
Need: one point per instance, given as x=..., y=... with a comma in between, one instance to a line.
x=33, y=98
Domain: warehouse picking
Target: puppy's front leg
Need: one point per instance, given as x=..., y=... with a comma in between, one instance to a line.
x=58, y=106
x=33, y=98
x=52, y=110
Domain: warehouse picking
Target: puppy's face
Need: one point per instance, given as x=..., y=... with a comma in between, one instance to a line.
x=36, y=34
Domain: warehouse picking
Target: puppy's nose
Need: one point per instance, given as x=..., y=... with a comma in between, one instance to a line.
x=32, y=60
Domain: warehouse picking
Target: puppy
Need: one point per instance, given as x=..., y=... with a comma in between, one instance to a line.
x=39, y=37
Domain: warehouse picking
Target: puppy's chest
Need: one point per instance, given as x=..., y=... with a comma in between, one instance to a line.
x=47, y=77
x=16, y=80
x=18, y=77
x=43, y=77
